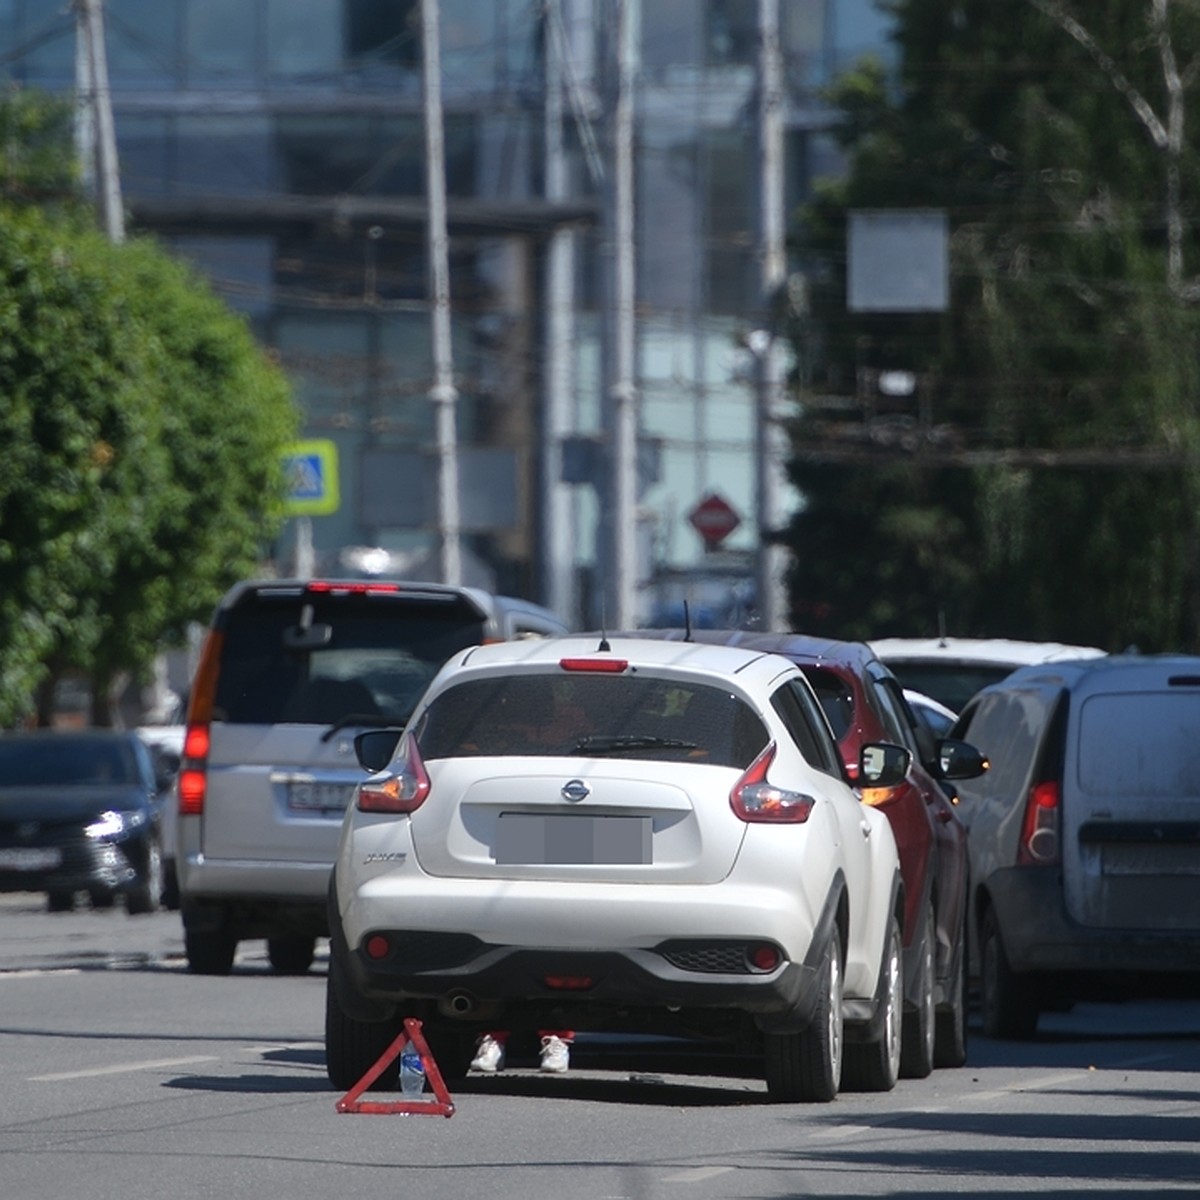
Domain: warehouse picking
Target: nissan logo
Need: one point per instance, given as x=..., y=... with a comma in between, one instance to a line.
x=576, y=789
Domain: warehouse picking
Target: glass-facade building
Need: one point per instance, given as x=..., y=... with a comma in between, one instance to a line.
x=279, y=144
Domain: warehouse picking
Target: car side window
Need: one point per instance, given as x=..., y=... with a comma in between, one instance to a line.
x=809, y=729
x=891, y=698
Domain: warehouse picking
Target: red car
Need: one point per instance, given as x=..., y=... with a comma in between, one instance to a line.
x=865, y=702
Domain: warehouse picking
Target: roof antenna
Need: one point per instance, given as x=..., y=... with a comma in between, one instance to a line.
x=687, y=622
x=604, y=647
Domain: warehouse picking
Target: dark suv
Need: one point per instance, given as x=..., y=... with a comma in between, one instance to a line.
x=291, y=670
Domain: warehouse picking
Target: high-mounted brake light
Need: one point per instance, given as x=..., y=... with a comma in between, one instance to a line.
x=352, y=588
x=603, y=666
x=755, y=800
x=402, y=791
x=1039, y=828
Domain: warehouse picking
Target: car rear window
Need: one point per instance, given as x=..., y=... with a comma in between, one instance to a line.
x=376, y=660
x=626, y=716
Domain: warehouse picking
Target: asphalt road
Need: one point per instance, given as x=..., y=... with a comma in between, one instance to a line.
x=126, y=1078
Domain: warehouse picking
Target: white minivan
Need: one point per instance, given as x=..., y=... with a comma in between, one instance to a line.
x=1084, y=836
x=290, y=671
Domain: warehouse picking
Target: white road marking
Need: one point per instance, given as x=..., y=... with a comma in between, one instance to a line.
x=40, y=972
x=125, y=1068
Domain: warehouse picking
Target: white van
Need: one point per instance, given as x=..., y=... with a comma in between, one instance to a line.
x=290, y=671
x=1084, y=837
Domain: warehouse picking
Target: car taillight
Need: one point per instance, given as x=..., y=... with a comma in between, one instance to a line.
x=1039, y=829
x=403, y=791
x=753, y=799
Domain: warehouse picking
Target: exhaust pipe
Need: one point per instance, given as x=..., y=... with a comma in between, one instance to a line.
x=458, y=1004
x=463, y=1006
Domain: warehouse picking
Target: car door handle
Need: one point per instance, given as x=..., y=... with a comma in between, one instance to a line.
x=865, y=826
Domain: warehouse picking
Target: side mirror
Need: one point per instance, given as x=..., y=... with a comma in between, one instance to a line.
x=375, y=748
x=960, y=760
x=882, y=764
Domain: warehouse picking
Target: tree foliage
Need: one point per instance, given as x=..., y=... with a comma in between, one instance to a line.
x=1043, y=482
x=143, y=430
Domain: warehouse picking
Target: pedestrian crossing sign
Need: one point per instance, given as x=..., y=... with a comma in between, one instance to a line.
x=311, y=473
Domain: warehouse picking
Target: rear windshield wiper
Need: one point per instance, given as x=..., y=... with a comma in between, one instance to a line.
x=374, y=720
x=612, y=744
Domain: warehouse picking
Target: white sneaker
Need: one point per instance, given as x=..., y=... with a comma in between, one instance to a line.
x=489, y=1056
x=556, y=1056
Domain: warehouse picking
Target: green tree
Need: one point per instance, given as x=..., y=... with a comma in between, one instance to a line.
x=1044, y=484
x=142, y=428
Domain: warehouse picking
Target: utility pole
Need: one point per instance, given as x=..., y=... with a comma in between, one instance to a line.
x=556, y=500
x=95, y=134
x=768, y=366
x=619, y=517
x=443, y=394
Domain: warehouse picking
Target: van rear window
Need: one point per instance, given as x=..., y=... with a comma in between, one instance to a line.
x=374, y=659
x=1140, y=744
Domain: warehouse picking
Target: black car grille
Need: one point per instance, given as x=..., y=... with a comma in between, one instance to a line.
x=708, y=958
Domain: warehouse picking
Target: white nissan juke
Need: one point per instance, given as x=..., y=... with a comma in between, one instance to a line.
x=635, y=836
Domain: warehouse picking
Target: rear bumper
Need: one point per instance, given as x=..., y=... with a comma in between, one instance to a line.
x=614, y=986
x=1039, y=935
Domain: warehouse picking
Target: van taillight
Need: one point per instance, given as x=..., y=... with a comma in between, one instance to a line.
x=1039, y=845
x=193, y=774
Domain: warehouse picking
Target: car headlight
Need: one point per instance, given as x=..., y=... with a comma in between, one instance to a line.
x=113, y=824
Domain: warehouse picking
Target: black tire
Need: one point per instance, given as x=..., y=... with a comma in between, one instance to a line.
x=1008, y=1000
x=209, y=952
x=807, y=1067
x=291, y=955
x=353, y=1047
x=60, y=902
x=950, y=1033
x=145, y=895
x=102, y=900
x=917, y=1052
x=170, y=888
x=875, y=1066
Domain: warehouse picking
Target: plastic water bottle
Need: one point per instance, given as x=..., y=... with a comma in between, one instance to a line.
x=412, y=1073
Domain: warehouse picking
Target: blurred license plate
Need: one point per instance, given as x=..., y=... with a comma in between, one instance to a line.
x=305, y=795
x=526, y=838
x=30, y=858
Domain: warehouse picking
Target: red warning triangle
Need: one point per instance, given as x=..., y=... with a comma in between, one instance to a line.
x=440, y=1106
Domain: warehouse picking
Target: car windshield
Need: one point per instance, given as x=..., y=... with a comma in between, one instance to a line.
x=625, y=716
x=64, y=762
